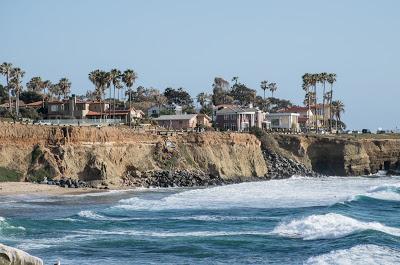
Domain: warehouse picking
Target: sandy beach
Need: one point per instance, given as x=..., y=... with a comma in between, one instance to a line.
x=19, y=188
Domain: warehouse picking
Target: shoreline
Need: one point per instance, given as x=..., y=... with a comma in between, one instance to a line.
x=27, y=188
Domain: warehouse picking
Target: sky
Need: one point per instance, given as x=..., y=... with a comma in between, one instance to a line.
x=178, y=43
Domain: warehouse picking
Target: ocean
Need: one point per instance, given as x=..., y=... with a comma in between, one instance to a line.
x=329, y=220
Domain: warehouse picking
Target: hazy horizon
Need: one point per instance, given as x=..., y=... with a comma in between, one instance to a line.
x=186, y=44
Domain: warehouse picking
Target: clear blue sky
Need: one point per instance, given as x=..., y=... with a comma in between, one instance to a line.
x=187, y=43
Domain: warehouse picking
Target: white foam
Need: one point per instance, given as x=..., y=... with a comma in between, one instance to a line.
x=328, y=226
x=5, y=226
x=387, y=192
x=145, y=233
x=357, y=255
x=92, y=215
x=293, y=192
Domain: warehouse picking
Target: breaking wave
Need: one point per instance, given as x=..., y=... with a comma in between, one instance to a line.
x=6, y=227
x=357, y=255
x=289, y=193
x=328, y=226
x=386, y=192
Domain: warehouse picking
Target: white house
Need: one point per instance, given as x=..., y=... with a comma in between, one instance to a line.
x=282, y=120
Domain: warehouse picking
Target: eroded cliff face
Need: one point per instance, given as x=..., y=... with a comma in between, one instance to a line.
x=108, y=154
x=343, y=156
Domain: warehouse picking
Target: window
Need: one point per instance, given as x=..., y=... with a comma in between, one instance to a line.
x=275, y=122
x=233, y=117
x=226, y=117
x=226, y=126
x=233, y=127
x=54, y=108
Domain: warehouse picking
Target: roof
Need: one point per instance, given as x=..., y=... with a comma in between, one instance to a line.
x=34, y=104
x=283, y=114
x=176, y=117
x=204, y=115
x=294, y=109
x=93, y=113
x=236, y=109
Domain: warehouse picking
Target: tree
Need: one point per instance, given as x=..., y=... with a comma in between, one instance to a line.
x=101, y=81
x=30, y=96
x=235, y=79
x=221, y=92
x=115, y=78
x=65, y=87
x=272, y=87
x=3, y=94
x=35, y=84
x=54, y=90
x=179, y=97
x=203, y=99
x=242, y=94
x=264, y=86
x=338, y=109
x=16, y=84
x=331, y=79
x=128, y=78
x=6, y=69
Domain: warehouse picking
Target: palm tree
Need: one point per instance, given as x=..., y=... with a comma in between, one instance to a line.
x=264, y=86
x=115, y=78
x=331, y=79
x=65, y=87
x=46, y=85
x=128, y=78
x=202, y=98
x=338, y=108
x=272, y=87
x=54, y=90
x=6, y=69
x=16, y=83
x=35, y=84
x=322, y=79
x=306, y=87
x=313, y=83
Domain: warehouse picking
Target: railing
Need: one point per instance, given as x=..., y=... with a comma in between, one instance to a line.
x=79, y=122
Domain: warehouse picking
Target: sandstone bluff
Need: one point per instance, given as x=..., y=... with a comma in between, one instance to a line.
x=122, y=157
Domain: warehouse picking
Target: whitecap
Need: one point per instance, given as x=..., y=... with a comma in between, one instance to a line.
x=357, y=255
x=328, y=226
x=289, y=193
x=5, y=226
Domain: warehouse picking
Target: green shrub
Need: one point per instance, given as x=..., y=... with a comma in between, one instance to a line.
x=39, y=175
x=9, y=175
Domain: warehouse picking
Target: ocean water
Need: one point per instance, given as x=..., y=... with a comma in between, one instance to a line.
x=332, y=220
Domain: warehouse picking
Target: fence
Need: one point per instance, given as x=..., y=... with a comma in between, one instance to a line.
x=79, y=122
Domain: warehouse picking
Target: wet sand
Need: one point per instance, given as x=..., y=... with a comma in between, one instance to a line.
x=21, y=188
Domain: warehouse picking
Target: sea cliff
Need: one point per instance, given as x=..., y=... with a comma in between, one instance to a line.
x=124, y=157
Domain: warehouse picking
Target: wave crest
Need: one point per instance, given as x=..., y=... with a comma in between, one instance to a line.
x=358, y=255
x=328, y=226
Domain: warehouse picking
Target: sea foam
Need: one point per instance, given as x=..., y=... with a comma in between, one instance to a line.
x=357, y=255
x=288, y=193
x=328, y=226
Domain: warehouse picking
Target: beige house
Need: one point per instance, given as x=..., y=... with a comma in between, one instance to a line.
x=184, y=121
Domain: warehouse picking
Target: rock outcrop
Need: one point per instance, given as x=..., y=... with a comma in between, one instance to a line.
x=109, y=154
x=13, y=256
x=343, y=155
x=121, y=156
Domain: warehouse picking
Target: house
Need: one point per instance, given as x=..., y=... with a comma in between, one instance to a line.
x=203, y=120
x=81, y=109
x=237, y=118
x=183, y=121
x=308, y=117
x=284, y=120
x=124, y=115
x=155, y=110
